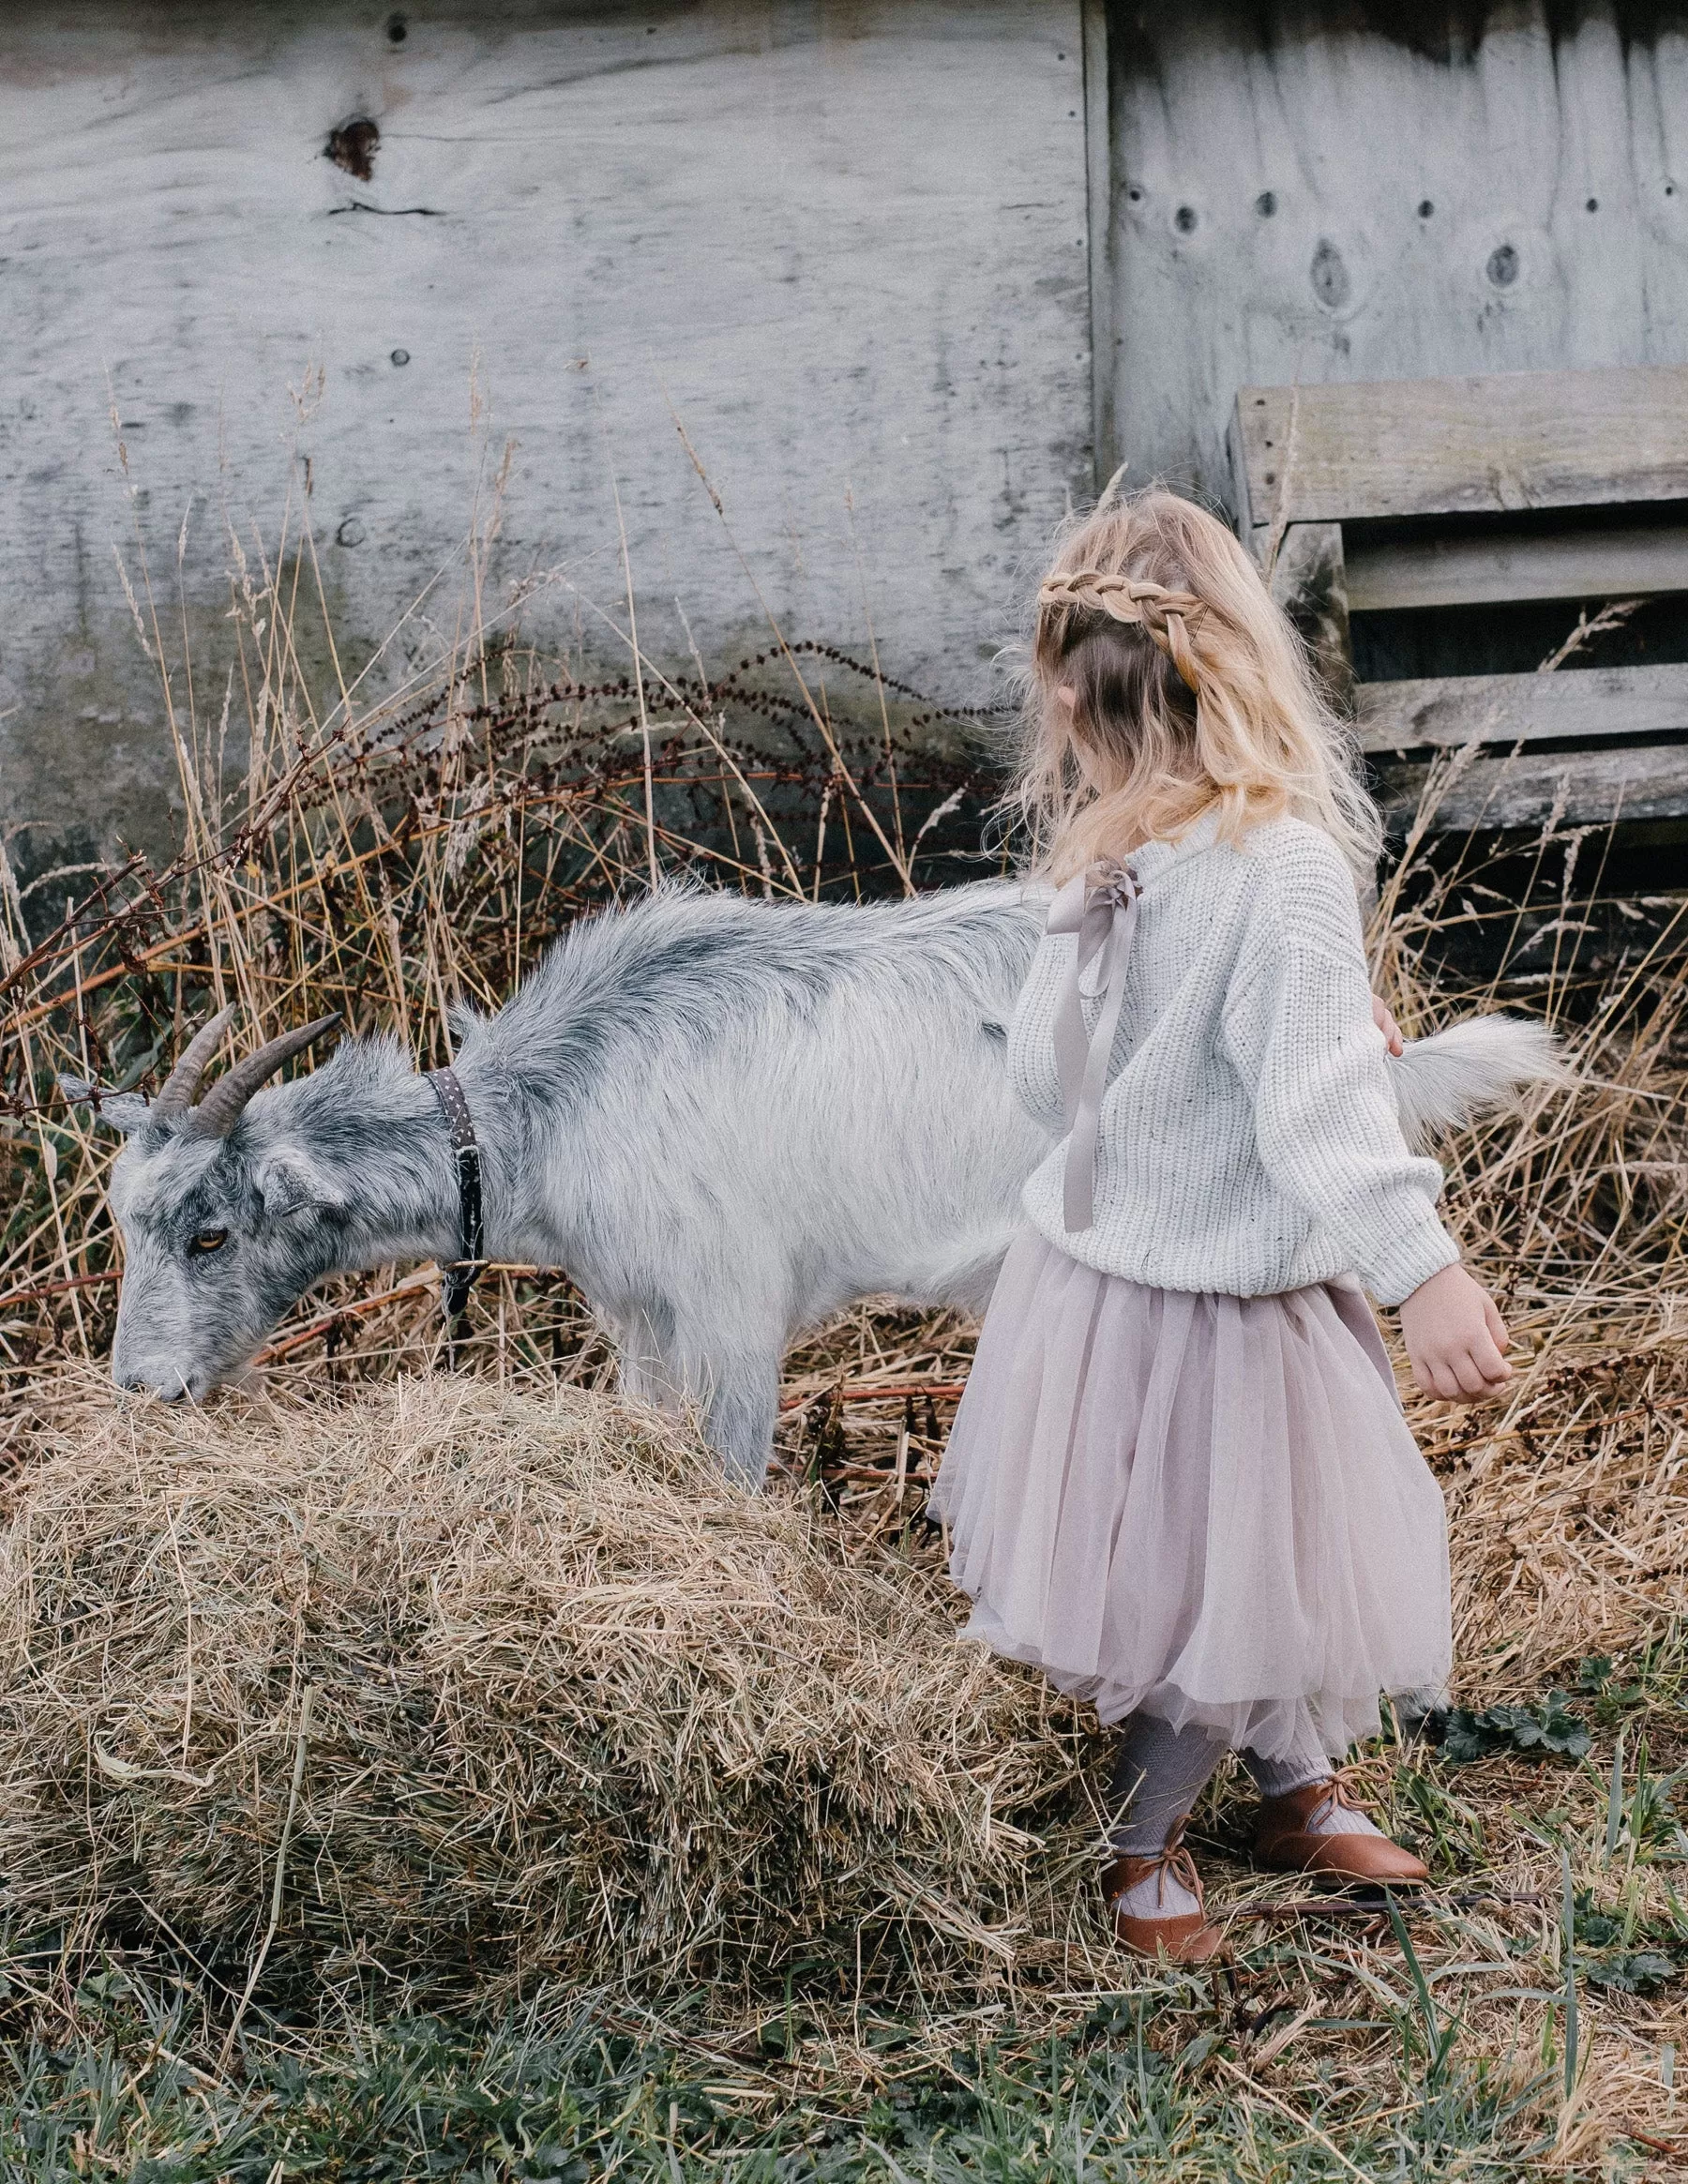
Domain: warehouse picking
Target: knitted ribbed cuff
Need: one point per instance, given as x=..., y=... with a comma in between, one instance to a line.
x=1413, y=1255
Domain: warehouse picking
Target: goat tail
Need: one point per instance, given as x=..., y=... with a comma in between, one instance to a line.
x=1485, y=1063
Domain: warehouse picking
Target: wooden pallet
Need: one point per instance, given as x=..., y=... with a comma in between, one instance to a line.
x=1446, y=492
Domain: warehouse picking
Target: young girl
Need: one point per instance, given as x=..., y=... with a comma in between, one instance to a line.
x=1179, y=1480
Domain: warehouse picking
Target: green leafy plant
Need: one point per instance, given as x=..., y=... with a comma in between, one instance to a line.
x=1599, y=1679
x=1548, y=1729
x=1653, y=1674
x=1629, y=1971
x=1597, y=1928
x=1604, y=1955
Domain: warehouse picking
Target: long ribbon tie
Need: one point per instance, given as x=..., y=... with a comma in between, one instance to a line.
x=1100, y=906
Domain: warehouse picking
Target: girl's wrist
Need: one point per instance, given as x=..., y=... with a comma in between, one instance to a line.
x=1454, y=1266
x=1418, y=1251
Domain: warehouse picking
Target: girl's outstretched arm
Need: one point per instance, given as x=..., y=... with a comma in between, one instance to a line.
x=1454, y=1334
x=1302, y=1028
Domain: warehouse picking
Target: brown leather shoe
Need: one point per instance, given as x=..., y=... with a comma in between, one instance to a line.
x=1181, y=1937
x=1286, y=1839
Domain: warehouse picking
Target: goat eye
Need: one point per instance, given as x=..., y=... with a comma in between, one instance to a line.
x=210, y=1240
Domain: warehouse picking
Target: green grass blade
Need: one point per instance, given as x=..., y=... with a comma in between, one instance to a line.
x=1572, y=2026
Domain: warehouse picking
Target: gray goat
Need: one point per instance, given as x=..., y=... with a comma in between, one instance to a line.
x=724, y=1117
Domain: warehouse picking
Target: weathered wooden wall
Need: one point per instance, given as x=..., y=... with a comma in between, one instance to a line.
x=862, y=251
x=1300, y=192
x=848, y=243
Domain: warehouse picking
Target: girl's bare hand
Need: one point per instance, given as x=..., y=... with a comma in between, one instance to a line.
x=1387, y=1025
x=1456, y=1337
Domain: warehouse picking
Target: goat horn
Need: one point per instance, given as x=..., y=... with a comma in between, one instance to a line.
x=183, y=1080
x=218, y=1112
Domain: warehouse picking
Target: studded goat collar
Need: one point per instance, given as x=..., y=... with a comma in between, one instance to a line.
x=460, y=1275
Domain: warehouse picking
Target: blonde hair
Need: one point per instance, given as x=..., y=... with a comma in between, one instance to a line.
x=1192, y=692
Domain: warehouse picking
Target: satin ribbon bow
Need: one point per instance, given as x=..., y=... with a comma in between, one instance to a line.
x=1100, y=906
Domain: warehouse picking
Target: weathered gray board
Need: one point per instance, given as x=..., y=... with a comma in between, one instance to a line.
x=1526, y=785
x=847, y=244
x=1500, y=444
x=1387, y=494
x=1588, y=705
x=1526, y=790
x=849, y=240
x=1303, y=194
x=1623, y=562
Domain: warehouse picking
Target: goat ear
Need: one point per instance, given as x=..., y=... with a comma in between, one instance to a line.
x=292, y=1182
x=123, y=1111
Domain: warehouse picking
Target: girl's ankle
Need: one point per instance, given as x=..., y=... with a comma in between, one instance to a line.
x=1150, y=1881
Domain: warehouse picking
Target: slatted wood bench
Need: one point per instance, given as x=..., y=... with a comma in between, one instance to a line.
x=1449, y=493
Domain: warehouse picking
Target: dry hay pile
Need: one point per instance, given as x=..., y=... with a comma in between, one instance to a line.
x=557, y=1699
x=1567, y=1514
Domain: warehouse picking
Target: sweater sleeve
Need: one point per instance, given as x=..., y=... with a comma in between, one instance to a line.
x=1298, y=1029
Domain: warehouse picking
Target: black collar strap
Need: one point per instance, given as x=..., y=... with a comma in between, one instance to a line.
x=460, y=1275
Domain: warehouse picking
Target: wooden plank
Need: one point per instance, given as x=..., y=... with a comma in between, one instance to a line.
x=1574, y=705
x=1570, y=789
x=1464, y=446
x=1309, y=582
x=1631, y=562
x=1355, y=193
x=794, y=230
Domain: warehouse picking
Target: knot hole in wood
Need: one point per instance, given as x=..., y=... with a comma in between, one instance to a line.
x=352, y=146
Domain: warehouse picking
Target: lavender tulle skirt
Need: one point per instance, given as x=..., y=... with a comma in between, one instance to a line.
x=1209, y=1506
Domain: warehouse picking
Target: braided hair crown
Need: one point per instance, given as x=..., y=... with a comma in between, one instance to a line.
x=1163, y=615
x=1125, y=740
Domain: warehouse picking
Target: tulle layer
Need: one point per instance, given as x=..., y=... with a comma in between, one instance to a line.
x=1209, y=1506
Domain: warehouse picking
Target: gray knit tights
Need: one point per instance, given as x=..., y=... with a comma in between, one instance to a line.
x=1159, y=1774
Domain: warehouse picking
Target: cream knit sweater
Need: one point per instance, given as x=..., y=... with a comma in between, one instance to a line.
x=1249, y=1141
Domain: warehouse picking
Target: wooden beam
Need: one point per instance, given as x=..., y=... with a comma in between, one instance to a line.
x=1462, y=446
x=1576, y=705
x=1451, y=571
x=1566, y=788
x=1309, y=582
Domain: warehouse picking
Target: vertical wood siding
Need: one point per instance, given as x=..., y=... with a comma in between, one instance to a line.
x=846, y=246
x=1302, y=193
